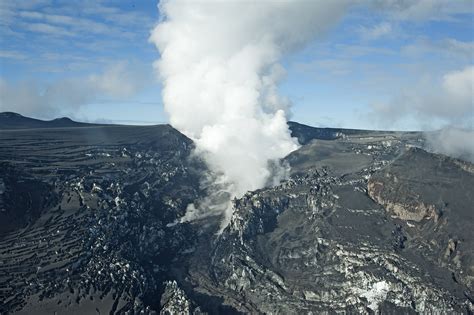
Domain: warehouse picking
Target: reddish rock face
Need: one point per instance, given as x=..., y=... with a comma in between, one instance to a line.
x=412, y=210
x=432, y=196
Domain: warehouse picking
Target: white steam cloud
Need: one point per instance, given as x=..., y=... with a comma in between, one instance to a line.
x=220, y=70
x=452, y=141
x=448, y=103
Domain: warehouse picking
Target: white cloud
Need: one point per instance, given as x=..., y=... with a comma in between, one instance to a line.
x=46, y=29
x=36, y=27
x=459, y=86
x=448, y=47
x=446, y=101
x=423, y=9
x=118, y=81
x=332, y=66
x=66, y=96
x=12, y=54
x=459, y=47
x=71, y=24
x=375, y=32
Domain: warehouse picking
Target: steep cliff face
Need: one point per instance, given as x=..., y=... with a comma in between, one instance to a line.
x=411, y=208
x=432, y=196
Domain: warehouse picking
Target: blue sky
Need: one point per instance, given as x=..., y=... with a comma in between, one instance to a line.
x=385, y=65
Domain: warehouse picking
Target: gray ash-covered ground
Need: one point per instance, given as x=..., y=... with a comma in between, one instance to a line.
x=366, y=223
x=84, y=214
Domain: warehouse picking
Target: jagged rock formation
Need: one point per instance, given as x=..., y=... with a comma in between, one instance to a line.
x=318, y=243
x=365, y=224
x=175, y=301
x=84, y=216
x=434, y=200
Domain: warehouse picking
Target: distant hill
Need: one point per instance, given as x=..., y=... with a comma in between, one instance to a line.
x=10, y=120
x=304, y=133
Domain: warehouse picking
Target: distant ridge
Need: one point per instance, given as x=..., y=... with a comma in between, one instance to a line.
x=10, y=120
x=304, y=133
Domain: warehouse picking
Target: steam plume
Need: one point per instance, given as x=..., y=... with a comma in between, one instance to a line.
x=220, y=71
x=452, y=141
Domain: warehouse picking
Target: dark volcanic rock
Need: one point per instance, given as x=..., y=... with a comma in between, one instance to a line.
x=432, y=196
x=19, y=204
x=318, y=243
x=364, y=224
x=175, y=301
x=84, y=215
x=305, y=134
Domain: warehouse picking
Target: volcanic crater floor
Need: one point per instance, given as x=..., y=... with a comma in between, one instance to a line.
x=367, y=222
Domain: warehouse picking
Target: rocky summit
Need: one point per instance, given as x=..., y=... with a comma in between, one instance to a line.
x=367, y=222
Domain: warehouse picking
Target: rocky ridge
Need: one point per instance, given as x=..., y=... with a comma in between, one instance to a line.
x=319, y=243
